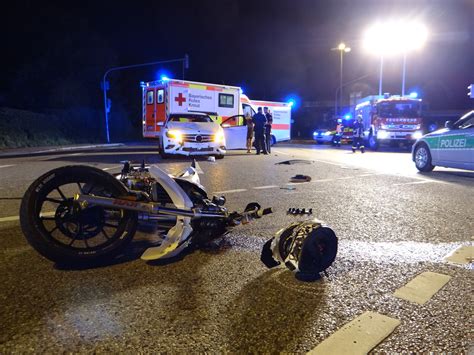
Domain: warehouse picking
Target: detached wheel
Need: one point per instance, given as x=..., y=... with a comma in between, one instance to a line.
x=220, y=156
x=423, y=158
x=61, y=230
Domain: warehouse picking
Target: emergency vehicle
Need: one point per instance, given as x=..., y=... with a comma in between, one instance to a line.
x=226, y=105
x=390, y=119
x=451, y=147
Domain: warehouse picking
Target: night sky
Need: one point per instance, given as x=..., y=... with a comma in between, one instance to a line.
x=56, y=52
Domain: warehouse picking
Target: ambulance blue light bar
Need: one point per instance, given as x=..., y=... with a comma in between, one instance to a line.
x=291, y=103
x=164, y=78
x=414, y=95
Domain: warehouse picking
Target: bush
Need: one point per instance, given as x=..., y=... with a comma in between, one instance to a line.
x=20, y=128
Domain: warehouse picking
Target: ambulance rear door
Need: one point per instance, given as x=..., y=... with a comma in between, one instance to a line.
x=153, y=110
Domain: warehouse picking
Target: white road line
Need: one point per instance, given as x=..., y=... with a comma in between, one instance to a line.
x=415, y=182
x=74, y=154
x=359, y=336
x=112, y=167
x=422, y=287
x=230, y=191
x=6, y=166
x=367, y=175
x=9, y=219
x=345, y=178
x=16, y=218
x=322, y=180
x=265, y=187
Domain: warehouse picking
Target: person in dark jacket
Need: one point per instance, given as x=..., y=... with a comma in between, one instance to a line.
x=358, y=135
x=268, y=129
x=259, y=121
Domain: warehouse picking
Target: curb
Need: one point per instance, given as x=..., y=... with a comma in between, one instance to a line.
x=23, y=153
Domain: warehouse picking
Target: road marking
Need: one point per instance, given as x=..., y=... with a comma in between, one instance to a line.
x=16, y=218
x=112, y=167
x=462, y=255
x=415, y=182
x=359, y=336
x=9, y=219
x=230, y=191
x=345, y=178
x=422, y=287
x=265, y=187
x=6, y=166
x=367, y=175
x=74, y=154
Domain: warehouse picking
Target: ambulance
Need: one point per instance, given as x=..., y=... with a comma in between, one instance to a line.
x=225, y=105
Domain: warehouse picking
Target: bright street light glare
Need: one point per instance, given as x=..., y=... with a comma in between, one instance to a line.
x=341, y=46
x=395, y=37
x=347, y=49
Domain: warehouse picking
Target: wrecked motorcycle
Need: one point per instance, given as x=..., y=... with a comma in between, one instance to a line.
x=77, y=214
x=81, y=214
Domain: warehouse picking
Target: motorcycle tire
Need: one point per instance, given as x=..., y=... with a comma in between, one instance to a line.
x=70, y=234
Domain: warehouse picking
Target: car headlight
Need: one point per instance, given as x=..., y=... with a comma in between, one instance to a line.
x=219, y=137
x=417, y=135
x=384, y=126
x=328, y=133
x=382, y=134
x=315, y=134
x=175, y=134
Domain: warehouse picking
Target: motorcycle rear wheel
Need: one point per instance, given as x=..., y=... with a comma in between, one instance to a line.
x=59, y=229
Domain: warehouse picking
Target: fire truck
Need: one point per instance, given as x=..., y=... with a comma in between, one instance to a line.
x=390, y=119
x=226, y=105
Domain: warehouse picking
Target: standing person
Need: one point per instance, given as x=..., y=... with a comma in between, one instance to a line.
x=358, y=135
x=339, y=132
x=268, y=129
x=249, y=123
x=259, y=128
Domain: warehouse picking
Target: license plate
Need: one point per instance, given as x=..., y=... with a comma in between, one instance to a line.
x=196, y=145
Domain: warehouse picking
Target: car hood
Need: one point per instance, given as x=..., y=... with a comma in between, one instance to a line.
x=195, y=127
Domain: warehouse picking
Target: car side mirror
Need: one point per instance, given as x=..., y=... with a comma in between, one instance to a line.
x=160, y=123
x=448, y=124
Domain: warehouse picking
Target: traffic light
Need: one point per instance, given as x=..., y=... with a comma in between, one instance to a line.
x=470, y=93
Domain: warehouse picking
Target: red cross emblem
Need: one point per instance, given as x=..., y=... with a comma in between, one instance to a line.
x=180, y=99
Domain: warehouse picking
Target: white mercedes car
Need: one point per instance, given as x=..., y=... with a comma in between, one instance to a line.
x=192, y=134
x=451, y=147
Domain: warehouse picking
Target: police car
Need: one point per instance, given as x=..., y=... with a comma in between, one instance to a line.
x=451, y=147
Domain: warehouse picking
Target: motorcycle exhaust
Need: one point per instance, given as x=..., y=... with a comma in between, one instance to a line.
x=146, y=207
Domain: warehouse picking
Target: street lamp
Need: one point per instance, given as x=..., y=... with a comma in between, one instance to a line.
x=342, y=48
x=392, y=38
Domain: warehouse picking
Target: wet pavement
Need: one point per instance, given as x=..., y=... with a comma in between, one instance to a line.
x=392, y=224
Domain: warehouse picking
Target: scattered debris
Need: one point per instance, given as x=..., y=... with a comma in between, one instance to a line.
x=298, y=211
x=295, y=161
x=300, y=178
x=288, y=188
x=211, y=158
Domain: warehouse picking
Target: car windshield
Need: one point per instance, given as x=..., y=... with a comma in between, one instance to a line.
x=190, y=118
x=404, y=109
x=466, y=121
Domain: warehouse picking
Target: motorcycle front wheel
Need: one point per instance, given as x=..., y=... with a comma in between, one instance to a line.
x=61, y=230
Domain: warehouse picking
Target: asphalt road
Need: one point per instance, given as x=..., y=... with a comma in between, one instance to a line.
x=392, y=223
